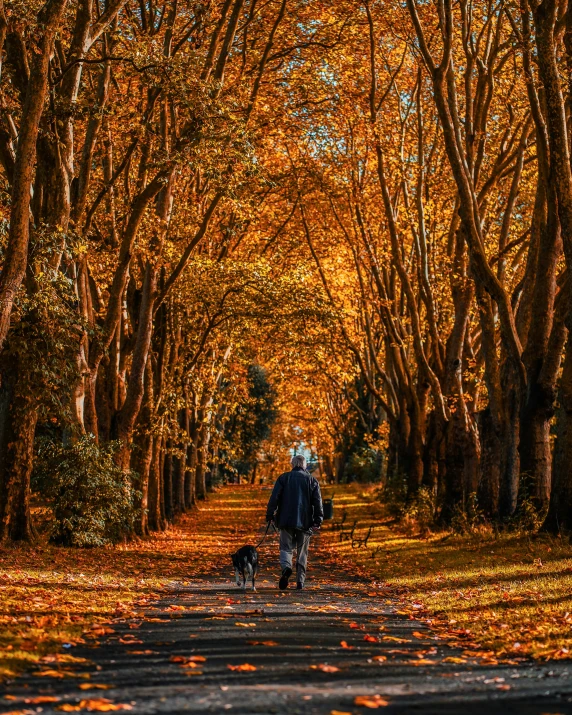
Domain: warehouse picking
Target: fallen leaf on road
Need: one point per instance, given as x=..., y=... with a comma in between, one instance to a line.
x=416, y=634
x=52, y=674
x=379, y=658
x=245, y=625
x=395, y=639
x=454, y=659
x=143, y=652
x=41, y=699
x=370, y=639
x=345, y=645
x=100, y=631
x=94, y=686
x=357, y=625
x=267, y=643
x=370, y=701
x=324, y=667
x=188, y=659
x=422, y=661
x=244, y=667
x=95, y=705
x=340, y=712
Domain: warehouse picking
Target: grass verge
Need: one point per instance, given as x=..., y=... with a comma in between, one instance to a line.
x=52, y=596
x=505, y=596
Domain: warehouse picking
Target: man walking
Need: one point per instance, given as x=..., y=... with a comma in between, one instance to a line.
x=296, y=506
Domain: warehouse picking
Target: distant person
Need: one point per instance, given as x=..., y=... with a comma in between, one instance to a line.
x=295, y=506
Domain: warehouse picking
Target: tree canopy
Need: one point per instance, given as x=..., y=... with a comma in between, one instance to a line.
x=234, y=227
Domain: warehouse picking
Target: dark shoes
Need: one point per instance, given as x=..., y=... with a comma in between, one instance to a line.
x=299, y=586
x=283, y=583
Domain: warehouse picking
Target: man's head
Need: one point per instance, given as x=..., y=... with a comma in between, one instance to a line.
x=298, y=462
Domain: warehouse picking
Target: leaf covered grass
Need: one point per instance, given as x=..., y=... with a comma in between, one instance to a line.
x=51, y=596
x=504, y=597
x=510, y=595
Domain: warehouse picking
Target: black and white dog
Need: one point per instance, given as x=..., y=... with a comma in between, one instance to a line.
x=245, y=562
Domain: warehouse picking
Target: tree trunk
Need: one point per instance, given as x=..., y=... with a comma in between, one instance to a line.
x=155, y=518
x=18, y=417
x=191, y=460
x=16, y=254
x=135, y=389
x=168, y=483
x=414, y=468
x=200, y=474
x=179, y=464
x=508, y=493
x=535, y=451
x=491, y=448
x=559, y=517
x=144, y=455
x=254, y=472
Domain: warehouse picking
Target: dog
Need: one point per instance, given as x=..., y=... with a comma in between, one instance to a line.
x=245, y=562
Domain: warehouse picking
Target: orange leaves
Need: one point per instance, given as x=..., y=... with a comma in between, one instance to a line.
x=379, y=658
x=345, y=645
x=371, y=701
x=50, y=673
x=191, y=662
x=98, y=631
x=41, y=699
x=357, y=625
x=130, y=640
x=94, y=686
x=325, y=668
x=242, y=668
x=370, y=639
x=245, y=625
x=265, y=643
x=94, y=705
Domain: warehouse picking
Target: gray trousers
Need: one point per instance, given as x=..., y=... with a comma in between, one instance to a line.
x=290, y=538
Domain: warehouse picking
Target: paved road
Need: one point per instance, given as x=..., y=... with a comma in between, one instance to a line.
x=208, y=618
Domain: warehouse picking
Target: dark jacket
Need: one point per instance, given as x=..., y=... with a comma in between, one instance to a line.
x=297, y=497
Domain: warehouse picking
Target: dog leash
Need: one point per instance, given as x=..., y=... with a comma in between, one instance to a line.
x=270, y=523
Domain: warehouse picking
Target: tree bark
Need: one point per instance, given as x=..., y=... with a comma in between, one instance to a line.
x=168, y=483
x=16, y=256
x=18, y=417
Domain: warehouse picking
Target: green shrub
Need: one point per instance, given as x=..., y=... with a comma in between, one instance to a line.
x=394, y=495
x=468, y=518
x=528, y=518
x=93, y=501
x=364, y=465
x=420, y=510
